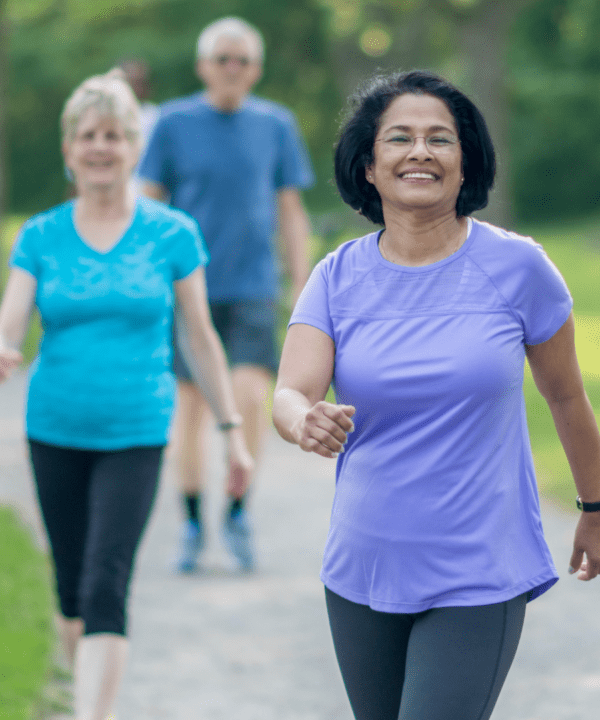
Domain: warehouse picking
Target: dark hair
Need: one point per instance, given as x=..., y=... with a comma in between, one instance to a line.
x=354, y=148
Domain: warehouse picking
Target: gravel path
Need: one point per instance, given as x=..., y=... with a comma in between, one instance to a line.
x=221, y=646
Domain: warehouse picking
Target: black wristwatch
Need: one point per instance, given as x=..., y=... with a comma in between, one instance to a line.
x=587, y=507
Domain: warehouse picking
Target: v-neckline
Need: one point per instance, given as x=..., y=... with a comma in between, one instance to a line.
x=118, y=241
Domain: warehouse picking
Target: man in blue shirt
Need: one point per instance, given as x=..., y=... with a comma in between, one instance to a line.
x=236, y=163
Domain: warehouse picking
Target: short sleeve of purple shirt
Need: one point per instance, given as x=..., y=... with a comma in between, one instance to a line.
x=436, y=499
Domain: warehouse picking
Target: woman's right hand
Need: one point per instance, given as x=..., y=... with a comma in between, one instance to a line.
x=9, y=360
x=324, y=429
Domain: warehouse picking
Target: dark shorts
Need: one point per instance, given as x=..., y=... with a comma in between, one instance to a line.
x=247, y=329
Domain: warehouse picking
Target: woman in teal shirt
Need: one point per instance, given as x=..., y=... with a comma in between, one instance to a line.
x=104, y=271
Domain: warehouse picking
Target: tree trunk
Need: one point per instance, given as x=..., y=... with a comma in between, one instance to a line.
x=484, y=36
x=3, y=170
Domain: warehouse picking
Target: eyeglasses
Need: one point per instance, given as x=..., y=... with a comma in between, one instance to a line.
x=225, y=59
x=435, y=143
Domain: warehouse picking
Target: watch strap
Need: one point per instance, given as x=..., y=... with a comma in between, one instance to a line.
x=586, y=506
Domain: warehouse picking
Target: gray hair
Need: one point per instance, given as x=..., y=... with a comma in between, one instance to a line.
x=110, y=95
x=230, y=27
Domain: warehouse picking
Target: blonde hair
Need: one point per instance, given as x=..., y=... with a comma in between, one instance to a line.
x=110, y=95
x=229, y=27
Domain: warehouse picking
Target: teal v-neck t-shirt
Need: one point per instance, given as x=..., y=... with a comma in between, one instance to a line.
x=102, y=378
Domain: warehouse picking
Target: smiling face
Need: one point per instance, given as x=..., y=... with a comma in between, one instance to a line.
x=422, y=176
x=231, y=71
x=100, y=154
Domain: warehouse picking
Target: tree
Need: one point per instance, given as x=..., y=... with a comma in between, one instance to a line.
x=3, y=68
x=88, y=38
x=532, y=66
x=483, y=30
x=3, y=153
x=465, y=40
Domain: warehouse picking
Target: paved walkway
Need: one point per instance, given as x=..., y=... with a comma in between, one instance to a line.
x=219, y=646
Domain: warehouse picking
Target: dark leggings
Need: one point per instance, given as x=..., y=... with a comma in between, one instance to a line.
x=442, y=664
x=95, y=505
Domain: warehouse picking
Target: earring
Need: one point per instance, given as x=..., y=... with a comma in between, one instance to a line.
x=462, y=180
x=69, y=174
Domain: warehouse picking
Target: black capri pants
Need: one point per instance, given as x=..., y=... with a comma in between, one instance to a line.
x=95, y=505
x=442, y=664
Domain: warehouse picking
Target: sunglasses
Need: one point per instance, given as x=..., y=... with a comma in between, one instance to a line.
x=225, y=59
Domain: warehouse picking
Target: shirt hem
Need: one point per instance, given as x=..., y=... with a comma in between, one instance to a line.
x=534, y=587
x=551, y=332
x=101, y=445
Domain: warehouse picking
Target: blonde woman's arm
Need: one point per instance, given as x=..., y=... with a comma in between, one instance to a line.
x=15, y=313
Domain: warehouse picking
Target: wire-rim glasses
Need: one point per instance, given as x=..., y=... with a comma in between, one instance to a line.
x=437, y=143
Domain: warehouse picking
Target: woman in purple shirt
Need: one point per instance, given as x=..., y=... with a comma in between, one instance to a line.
x=435, y=544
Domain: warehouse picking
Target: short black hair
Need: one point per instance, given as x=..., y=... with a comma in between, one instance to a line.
x=354, y=148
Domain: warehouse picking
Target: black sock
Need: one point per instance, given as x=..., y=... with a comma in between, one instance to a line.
x=236, y=505
x=192, y=505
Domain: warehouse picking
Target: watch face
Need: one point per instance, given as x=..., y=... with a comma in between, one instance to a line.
x=579, y=505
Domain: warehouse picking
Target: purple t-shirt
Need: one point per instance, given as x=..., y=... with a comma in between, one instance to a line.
x=436, y=499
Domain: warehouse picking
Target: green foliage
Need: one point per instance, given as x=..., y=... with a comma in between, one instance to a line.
x=56, y=44
x=317, y=51
x=574, y=248
x=554, y=59
x=25, y=620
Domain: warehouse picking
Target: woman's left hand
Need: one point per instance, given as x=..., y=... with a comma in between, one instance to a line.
x=240, y=463
x=587, y=542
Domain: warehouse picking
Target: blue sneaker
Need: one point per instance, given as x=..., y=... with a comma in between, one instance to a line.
x=237, y=534
x=192, y=542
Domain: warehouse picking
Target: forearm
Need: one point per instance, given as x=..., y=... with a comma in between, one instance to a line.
x=16, y=309
x=289, y=408
x=12, y=336
x=295, y=242
x=206, y=359
x=578, y=432
x=294, y=234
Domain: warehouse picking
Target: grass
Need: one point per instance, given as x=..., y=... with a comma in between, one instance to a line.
x=575, y=249
x=31, y=685
x=26, y=631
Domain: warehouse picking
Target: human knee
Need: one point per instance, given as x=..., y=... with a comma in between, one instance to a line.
x=103, y=601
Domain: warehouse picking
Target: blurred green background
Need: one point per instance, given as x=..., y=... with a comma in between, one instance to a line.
x=532, y=66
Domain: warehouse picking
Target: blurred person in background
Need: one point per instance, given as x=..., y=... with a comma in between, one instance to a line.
x=104, y=270
x=138, y=75
x=436, y=543
x=236, y=163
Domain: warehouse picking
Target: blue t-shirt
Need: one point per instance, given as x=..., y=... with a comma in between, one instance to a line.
x=102, y=379
x=436, y=499
x=225, y=170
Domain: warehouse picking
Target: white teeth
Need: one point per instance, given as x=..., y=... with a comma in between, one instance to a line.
x=419, y=175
